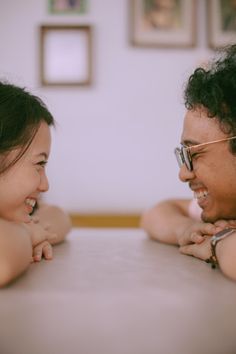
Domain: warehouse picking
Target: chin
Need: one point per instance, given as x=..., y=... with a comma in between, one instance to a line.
x=26, y=219
x=209, y=218
x=21, y=218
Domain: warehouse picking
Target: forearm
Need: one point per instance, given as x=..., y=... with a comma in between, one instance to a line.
x=56, y=221
x=15, y=250
x=226, y=256
x=167, y=221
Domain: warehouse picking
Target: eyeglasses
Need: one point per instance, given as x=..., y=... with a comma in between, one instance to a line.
x=183, y=153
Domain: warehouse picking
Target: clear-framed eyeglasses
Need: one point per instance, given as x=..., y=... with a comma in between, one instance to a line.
x=183, y=153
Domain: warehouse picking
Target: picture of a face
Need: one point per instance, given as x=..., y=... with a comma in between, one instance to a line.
x=161, y=14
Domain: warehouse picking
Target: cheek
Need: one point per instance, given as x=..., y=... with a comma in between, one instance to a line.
x=210, y=175
x=30, y=181
x=22, y=185
x=219, y=180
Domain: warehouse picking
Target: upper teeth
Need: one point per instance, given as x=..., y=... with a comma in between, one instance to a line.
x=200, y=194
x=30, y=202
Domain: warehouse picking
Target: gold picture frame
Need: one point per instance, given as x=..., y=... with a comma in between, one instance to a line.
x=156, y=25
x=65, y=55
x=221, y=21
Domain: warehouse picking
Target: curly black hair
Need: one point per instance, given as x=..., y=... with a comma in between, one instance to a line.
x=214, y=88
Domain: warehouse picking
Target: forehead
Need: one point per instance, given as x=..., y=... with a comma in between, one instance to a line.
x=199, y=128
x=42, y=140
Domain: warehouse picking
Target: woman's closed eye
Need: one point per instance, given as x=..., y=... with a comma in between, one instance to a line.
x=42, y=163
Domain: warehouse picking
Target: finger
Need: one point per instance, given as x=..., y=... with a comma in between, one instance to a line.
x=35, y=219
x=196, y=237
x=207, y=229
x=197, y=233
x=37, y=253
x=202, y=251
x=188, y=250
x=232, y=223
x=47, y=251
x=222, y=223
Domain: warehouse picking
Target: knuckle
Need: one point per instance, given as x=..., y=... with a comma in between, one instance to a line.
x=192, y=236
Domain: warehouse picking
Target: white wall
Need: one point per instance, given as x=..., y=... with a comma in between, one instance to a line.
x=113, y=147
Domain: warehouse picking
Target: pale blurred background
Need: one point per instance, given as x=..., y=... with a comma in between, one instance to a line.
x=113, y=146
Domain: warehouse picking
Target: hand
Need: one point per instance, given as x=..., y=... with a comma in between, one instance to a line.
x=197, y=232
x=201, y=250
x=40, y=238
x=42, y=249
x=196, y=241
x=38, y=232
x=222, y=224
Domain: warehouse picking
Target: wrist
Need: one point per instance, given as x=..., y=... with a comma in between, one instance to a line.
x=224, y=245
x=217, y=242
x=183, y=231
x=27, y=228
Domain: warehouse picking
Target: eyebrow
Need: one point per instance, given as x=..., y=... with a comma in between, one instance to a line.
x=190, y=142
x=43, y=154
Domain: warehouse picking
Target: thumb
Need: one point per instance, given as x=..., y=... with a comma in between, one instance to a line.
x=208, y=229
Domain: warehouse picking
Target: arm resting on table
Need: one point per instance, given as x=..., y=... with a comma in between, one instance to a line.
x=55, y=219
x=226, y=255
x=167, y=220
x=15, y=250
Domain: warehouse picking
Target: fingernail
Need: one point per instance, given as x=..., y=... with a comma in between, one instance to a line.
x=199, y=238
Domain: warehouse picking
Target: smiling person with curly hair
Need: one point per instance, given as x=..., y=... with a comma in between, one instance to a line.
x=206, y=227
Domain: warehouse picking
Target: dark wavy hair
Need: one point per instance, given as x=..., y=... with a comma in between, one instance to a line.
x=214, y=88
x=20, y=116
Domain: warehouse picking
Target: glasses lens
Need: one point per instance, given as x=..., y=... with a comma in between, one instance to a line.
x=187, y=158
x=183, y=157
x=179, y=156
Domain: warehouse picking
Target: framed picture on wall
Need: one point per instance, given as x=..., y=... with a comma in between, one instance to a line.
x=163, y=23
x=67, y=6
x=221, y=18
x=65, y=55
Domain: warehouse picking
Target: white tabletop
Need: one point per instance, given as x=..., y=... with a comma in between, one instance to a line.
x=113, y=291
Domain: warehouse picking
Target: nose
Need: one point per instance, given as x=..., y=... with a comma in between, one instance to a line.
x=44, y=185
x=185, y=175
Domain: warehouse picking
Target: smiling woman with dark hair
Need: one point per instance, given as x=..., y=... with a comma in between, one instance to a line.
x=26, y=233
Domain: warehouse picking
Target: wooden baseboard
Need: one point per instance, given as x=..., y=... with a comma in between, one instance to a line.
x=105, y=220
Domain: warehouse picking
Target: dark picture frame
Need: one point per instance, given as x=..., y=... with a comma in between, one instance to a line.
x=65, y=55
